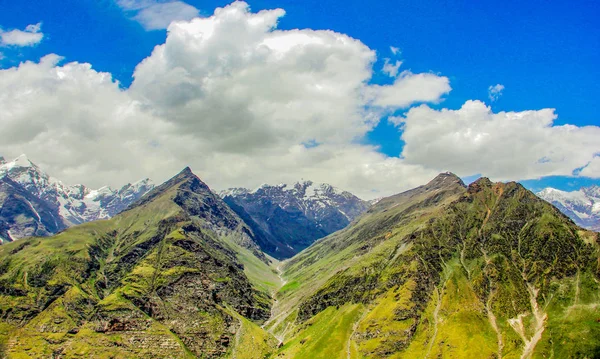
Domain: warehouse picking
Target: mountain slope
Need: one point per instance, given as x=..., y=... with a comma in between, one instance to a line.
x=160, y=280
x=23, y=215
x=287, y=219
x=446, y=271
x=582, y=206
x=68, y=205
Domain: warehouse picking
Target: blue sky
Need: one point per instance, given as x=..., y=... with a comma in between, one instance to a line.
x=545, y=54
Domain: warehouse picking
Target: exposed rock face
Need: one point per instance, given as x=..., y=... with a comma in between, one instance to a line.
x=287, y=219
x=24, y=215
x=582, y=206
x=67, y=205
x=157, y=280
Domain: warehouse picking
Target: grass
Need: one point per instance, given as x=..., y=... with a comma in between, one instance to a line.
x=430, y=267
x=262, y=275
x=323, y=337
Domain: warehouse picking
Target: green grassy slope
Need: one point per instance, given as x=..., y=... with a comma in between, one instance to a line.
x=441, y=271
x=155, y=281
x=445, y=271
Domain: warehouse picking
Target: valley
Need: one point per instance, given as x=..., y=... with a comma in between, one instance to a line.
x=443, y=270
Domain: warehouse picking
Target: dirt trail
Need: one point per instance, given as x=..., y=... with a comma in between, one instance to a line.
x=354, y=329
x=237, y=339
x=436, y=311
x=494, y=324
x=463, y=262
x=275, y=308
x=540, y=324
x=576, y=299
x=488, y=306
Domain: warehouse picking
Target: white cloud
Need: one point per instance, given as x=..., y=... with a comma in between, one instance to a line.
x=391, y=69
x=31, y=36
x=236, y=99
x=77, y=123
x=238, y=83
x=155, y=14
x=410, y=88
x=592, y=169
x=504, y=145
x=494, y=92
x=229, y=95
x=395, y=50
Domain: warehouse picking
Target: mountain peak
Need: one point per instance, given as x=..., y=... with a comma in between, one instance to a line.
x=185, y=174
x=20, y=162
x=445, y=179
x=187, y=171
x=289, y=217
x=582, y=206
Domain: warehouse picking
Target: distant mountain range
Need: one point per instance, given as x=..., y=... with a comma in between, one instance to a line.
x=288, y=218
x=32, y=203
x=582, y=206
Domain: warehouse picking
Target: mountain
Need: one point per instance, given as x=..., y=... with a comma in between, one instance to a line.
x=67, y=205
x=289, y=218
x=24, y=215
x=439, y=271
x=162, y=279
x=582, y=206
x=445, y=271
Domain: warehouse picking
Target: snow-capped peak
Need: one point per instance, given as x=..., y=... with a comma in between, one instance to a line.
x=583, y=205
x=304, y=210
x=554, y=194
x=21, y=161
x=76, y=203
x=234, y=191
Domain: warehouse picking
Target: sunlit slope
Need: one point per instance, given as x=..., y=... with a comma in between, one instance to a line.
x=446, y=271
x=162, y=280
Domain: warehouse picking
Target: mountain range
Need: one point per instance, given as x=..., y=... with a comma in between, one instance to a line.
x=289, y=218
x=444, y=270
x=582, y=206
x=33, y=203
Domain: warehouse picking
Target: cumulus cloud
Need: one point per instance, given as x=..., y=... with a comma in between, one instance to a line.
x=391, y=69
x=77, y=123
x=229, y=95
x=240, y=84
x=156, y=15
x=408, y=89
x=244, y=103
x=504, y=145
x=592, y=169
x=395, y=50
x=31, y=36
x=494, y=92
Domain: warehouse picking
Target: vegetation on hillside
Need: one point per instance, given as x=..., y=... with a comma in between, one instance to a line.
x=441, y=271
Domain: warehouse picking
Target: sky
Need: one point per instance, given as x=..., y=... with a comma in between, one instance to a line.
x=374, y=99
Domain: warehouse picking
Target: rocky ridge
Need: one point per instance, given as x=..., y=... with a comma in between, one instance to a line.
x=64, y=205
